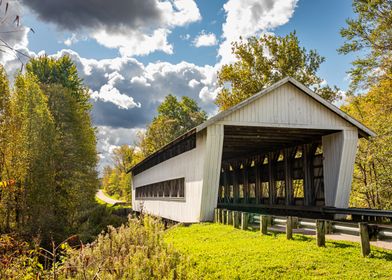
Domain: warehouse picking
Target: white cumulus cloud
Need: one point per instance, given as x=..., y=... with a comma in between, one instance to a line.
x=179, y=12
x=208, y=95
x=149, y=39
x=248, y=18
x=205, y=39
x=193, y=83
x=109, y=93
x=134, y=42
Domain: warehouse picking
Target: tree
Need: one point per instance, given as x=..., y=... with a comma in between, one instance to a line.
x=369, y=34
x=116, y=181
x=124, y=157
x=174, y=119
x=264, y=61
x=75, y=146
x=372, y=184
x=6, y=201
x=31, y=200
x=5, y=96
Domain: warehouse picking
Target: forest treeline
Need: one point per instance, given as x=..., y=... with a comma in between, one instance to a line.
x=48, y=153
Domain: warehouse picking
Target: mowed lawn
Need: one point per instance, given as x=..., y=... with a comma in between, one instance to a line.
x=222, y=252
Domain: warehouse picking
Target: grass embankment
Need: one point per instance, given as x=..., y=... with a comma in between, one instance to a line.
x=222, y=252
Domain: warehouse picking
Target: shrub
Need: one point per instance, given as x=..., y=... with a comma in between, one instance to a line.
x=18, y=260
x=133, y=251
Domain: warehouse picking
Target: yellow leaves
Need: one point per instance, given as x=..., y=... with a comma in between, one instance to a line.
x=7, y=184
x=373, y=172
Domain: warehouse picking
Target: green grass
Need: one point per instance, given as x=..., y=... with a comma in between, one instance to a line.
x=222, y=252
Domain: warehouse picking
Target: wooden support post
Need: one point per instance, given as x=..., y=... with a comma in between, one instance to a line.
x=263, y=224
x=328, y=227
x=236, y=220
x=295, y=222
x=236, y=187
x=219, y=216
x=226, y=198
x=288, y=176
x=271, y=179
x=320, y=233
x=307, y=161
x=289, y=227
x=216, y=215
x=224, y=216
x=244, y=220
x=364, y=234
x=245, y=177
x=229, y=217
x=258, y=181
x=270, y=220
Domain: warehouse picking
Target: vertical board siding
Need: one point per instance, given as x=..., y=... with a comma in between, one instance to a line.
x=339, y=156
x=332, y=152
x=287, y=105
x=350, y=141
x=212, y=171
x=188, y=165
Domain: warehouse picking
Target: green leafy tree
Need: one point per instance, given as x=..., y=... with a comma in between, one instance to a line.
x=372, y=184
x=7, y=201
x=75, y=146
x=116, y=181
x=369, y=35
x=5, y=96
x=174, y=119
x=264, y=61
x=29, y=161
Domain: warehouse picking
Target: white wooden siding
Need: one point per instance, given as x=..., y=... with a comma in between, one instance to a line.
x=339, y=156
x=286, y=106
x=212, y=170
x=188, y=165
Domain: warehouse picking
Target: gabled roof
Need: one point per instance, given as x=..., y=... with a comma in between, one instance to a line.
x=363, y=130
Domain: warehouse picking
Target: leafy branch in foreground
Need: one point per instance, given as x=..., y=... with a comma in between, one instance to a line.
x=10, y=26
x=369, y=33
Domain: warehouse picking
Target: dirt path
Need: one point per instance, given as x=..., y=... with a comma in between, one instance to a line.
x=107, y=199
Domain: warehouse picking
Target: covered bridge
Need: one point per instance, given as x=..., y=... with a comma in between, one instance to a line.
x=285, y=150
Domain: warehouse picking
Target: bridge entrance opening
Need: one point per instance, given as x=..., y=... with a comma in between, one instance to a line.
x=272, y=169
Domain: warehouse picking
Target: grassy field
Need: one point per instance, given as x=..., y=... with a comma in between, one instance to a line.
x=222, y=252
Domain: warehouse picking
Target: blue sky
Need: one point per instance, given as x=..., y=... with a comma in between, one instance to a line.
x=317, y=23
x=132, y=61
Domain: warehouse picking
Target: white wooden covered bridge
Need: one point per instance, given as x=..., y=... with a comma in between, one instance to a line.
x=283, y=150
